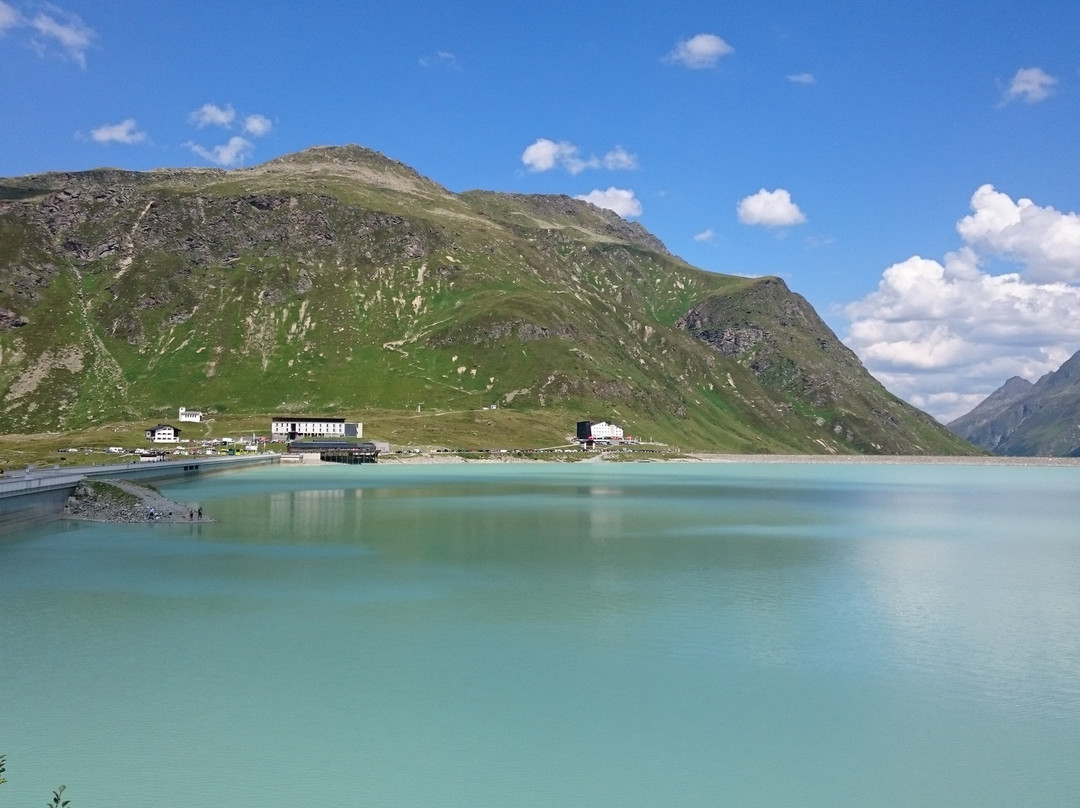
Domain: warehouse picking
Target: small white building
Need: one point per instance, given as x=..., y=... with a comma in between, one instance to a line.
x=190, y=415
x=292, y=427
x=163, y=433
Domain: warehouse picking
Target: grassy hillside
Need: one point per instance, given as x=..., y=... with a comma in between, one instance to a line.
x=337, y=281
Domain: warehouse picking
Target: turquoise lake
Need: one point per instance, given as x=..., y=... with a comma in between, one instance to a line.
x=548, y=634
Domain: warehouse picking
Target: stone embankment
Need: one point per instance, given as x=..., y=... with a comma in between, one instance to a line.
x=125, y=502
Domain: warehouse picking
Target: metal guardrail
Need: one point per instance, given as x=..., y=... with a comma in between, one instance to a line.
x=166, y=469
x=37, y=481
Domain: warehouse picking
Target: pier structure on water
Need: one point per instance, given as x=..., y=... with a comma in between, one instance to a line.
x=337, y=451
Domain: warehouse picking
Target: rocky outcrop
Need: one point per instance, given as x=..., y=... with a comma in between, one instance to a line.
x=9, y=320
x=780, y=338
x=120, y=501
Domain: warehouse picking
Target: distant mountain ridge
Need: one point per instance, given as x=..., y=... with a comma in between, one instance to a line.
x=1025, y=419
x=338, y=280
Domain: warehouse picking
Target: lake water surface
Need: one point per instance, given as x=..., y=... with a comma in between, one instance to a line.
x=543, y=634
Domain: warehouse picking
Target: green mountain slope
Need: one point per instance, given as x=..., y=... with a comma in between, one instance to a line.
x=336, y=280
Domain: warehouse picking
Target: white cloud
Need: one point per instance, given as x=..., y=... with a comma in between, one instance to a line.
x=817, y=241
x=1045, y=241
x=770, y=209
x=53, y=31
x=1030, y=84
x=619, y=159
x=213, y=115
x=801, y=78
x=945, y=334
x=623, y=202
x=257, y=125
x=441, y=59
x=544, y=155
x=229, y=154
x=124, y=132
x=699, y=52
x=238, y=148
x=705, y=235
x=54, y=28
x=9, y=17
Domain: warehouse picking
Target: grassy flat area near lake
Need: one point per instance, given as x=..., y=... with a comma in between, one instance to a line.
x=429, y=429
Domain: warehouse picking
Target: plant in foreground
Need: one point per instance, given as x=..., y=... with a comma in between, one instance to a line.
x=57, y=799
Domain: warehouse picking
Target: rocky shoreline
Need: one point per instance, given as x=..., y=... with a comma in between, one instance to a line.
x=120, y=501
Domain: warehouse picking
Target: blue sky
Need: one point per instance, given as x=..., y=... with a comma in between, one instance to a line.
x=912, y=169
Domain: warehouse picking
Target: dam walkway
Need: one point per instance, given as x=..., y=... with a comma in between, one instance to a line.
x=36, y=495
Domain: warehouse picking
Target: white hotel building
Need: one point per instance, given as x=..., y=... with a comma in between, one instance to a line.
x=293, y=427
x=598, y=430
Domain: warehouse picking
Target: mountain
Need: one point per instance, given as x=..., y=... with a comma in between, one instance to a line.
x=1029, y=420
x=337, y=280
